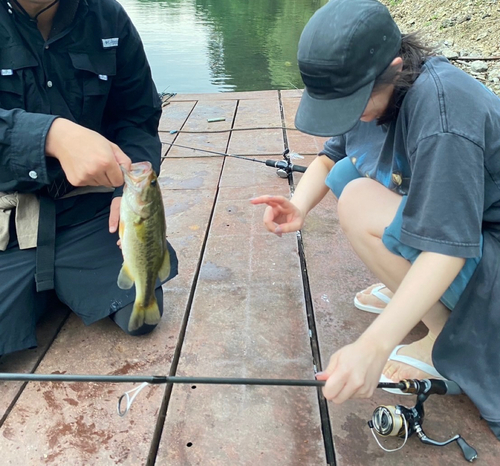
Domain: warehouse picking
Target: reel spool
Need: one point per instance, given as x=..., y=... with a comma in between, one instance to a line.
x=389, y=421
x=400, y=421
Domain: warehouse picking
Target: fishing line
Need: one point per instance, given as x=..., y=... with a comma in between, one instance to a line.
x=284, y=167
x=175, y=131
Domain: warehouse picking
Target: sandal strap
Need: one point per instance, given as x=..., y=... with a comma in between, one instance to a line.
x=376, y=292
x=417, y=364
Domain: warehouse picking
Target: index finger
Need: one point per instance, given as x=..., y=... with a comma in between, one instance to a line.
x=121, y=158
x=269, y=200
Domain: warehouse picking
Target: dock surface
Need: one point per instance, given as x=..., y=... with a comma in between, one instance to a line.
x=246, y=303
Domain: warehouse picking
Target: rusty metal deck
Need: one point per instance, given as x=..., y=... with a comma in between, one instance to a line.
x=241, y=306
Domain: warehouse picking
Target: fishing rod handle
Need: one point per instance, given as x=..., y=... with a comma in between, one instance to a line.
x=298, y=168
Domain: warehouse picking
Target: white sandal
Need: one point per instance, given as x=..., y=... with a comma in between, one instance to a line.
x=417, y=364
x=373, y=309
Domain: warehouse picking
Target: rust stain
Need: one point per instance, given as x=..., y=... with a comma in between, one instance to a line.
x=127, y=368
x=71, y=401
x=51, y=401
x=84, y=437
x=9, y=433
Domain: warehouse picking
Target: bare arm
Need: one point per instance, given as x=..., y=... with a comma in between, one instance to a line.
x=354, y=370
x=284, y=216
x=431, y=272
x=311, y=188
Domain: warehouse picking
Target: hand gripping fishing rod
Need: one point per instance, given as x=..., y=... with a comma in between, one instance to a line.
x=284, y=167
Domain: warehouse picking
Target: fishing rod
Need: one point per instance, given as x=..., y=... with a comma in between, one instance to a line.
x=284, y=167
x=386, y=421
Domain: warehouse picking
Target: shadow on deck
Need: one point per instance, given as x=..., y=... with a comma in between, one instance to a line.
x=243, y=305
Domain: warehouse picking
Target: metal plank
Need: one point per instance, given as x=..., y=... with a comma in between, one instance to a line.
x=247, y=319
x=26, y=361
x=258, y=114
x=207, y=138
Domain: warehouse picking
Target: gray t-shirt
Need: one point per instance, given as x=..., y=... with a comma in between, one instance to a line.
x=443, y=151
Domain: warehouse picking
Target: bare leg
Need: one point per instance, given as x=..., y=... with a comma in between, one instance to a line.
x=365, y=209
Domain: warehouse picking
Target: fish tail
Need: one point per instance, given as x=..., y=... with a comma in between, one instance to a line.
x=141, y=314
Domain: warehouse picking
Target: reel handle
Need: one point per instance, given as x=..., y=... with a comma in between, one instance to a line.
x=470, y=453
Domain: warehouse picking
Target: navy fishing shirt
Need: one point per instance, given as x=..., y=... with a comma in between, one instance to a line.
x=92, y=70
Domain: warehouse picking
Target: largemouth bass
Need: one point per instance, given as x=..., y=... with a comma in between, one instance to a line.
x=143, y=240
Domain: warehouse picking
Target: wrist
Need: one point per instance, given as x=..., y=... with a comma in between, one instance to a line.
x=51, y=140
x=377, y=342
x=301, y=208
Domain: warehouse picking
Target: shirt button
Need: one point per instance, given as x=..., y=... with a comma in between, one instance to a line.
x=33, y=174
x=49, y=83
x=46, y=47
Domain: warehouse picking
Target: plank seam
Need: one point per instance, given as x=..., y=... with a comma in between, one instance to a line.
x=162, y=414
x=326, y=427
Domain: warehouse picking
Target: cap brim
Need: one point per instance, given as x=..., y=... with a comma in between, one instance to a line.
x=322, y=117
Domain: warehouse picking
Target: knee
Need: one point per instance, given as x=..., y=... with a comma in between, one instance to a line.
x=122, y=317
x=353, y=205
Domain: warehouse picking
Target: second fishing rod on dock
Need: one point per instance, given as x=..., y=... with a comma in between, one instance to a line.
x=284, y=168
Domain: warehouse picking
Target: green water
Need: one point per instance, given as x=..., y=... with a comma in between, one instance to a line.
x=197, y=46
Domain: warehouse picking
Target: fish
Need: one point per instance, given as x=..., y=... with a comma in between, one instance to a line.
x=143, y=236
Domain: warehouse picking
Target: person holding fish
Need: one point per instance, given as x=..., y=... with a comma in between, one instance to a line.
x=79, y=116
x=414, y=160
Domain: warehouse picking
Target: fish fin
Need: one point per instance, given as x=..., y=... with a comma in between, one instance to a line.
x=125, y=280
x=164, y=271
x=121, y=229
x=141, y=315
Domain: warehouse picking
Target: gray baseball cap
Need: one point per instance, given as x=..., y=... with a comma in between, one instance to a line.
x=343, y=48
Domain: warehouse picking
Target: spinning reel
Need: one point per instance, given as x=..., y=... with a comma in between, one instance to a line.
x=401, y=421
x=285, y=167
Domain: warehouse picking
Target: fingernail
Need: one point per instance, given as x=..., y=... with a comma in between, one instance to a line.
x=278, y=230
x=318, y=374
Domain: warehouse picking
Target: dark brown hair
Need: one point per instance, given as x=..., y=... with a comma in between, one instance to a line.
x=414, y=54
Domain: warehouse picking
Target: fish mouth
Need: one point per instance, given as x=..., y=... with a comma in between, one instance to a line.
x=138, y=175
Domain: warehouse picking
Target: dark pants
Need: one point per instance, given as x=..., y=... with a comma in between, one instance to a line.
x=87, y=263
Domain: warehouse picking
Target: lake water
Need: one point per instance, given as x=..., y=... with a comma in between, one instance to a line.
x=198, y=46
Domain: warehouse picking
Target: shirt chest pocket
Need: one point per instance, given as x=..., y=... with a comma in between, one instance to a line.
x=94, y=72
x=16, y=77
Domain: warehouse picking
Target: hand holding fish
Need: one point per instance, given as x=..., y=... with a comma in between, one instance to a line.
x=87, y=158
x=281, y=215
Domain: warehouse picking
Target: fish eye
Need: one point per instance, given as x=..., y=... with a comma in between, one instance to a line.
x=153, y=182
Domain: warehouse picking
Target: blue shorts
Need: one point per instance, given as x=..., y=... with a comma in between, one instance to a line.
x=344, y=172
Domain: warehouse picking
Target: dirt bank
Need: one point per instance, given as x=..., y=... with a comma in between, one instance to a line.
x=460, y=30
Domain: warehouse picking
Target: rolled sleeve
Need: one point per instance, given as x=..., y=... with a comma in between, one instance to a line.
x=335, y=148
x=23, y=156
